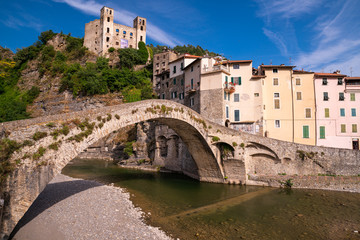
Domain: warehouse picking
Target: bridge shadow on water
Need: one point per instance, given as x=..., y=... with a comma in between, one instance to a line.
x=52, y=194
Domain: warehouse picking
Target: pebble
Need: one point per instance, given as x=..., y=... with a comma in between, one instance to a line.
x=97, y=216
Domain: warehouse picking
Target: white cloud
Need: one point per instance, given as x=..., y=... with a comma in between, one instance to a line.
x=287, y=8
x=23, y=20
x=277, y=40
x=122, y=16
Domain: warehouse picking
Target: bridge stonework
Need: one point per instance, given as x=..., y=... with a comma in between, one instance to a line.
x=245, y=154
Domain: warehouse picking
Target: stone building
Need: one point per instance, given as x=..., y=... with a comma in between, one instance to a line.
x=102, y=34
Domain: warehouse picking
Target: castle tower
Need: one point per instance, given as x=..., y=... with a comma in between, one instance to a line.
x=140, y=26
x=107, y=28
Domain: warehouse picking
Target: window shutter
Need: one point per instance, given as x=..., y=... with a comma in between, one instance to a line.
x=322, y=132
x=232, y=79
x=305, y=131
x=327, y=114
x=239, y=80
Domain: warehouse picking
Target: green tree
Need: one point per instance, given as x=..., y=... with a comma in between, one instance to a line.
x=129, y=57
x=46, y=36
x=143, y=52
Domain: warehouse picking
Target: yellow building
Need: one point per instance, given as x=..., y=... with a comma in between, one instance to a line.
x=304, y=107
x=288, y=104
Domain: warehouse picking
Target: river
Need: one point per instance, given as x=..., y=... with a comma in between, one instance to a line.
x=188, y=209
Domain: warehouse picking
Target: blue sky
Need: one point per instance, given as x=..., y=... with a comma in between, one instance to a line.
x=317, y=35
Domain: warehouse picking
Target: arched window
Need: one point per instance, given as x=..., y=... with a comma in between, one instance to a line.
x=110, y=12
x=124, y=32
x=131, y=34
x=108, y=19
x=141, y=28
x=141, y=38
x=143, y=22
x=107, y=39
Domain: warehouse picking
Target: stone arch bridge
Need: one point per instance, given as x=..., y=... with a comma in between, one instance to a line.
x=221, y=154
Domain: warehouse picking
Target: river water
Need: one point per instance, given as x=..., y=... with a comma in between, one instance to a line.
x=188, y=209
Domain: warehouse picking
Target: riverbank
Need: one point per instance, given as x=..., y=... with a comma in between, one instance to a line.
x=71, y=208
x=333, y=183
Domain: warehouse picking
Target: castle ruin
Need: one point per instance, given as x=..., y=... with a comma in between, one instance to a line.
x=102, y=34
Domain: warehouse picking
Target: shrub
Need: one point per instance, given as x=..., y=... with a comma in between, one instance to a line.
x=51, y=124
x=39, y=135
x=129, y=148
x=117, y=116
x=111, y=50
x=234, y=144
x=215, y=139
x=39, y=153
x=54, y=146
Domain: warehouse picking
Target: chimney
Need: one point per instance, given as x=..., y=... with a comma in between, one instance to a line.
x=337, y=72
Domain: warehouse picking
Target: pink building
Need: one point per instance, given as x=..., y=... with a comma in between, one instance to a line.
x=337, y=110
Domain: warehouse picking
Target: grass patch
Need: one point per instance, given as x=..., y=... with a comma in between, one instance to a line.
x=39, y=153
x=51, y=125
x=215, y=139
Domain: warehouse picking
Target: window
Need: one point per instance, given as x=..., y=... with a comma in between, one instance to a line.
x=174, y=70
x=228, y=96
x=277, y=103
x=236, y=97
x=192, y=84
x=342, y=112
x=108, y=30
x=124, y=32
x=276, y=95
x=237, y=115
x=174, y=81
x=226, y=79
x=277, y=123
x=353, y=112
x=322, y=132
x=141, y=28
x=343, y=128
x=298, y=96
x=163, y=64
x=163, y=96
x=275, y=81
x=131, y=34
x=117, y=30
x=110, y=12
x=327, y=113
x=108, y=19
x=192, y=68
x=143, y=22
x=182, y=66
x=167, y=83
x=182, y=82
x=326, y=96
x=352, y=96
x=354, y=128
x=324, y=81
x=341, y=96
x=158, y=57
x=340, y=82
x=225, y=95
x=236, y=66
x=256, y=94
x=298, y=81
x=305, y=131
x=117, y=43
x=192, y=102
x=107, y=39
x=227, y=112
x=157, y=65
x=275, y=70
x=308, y=112
x=141, y=38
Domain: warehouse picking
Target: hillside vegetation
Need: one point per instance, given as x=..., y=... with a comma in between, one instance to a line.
x=78, y=75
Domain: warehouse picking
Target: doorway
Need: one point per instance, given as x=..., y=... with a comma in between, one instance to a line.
x=355, y=143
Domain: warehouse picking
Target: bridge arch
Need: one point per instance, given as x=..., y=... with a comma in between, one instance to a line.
x=189, y=125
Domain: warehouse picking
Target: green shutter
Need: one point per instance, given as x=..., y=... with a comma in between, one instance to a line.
x=305, y=131
x=322, y=132
x=232, y=80
x=239, y=80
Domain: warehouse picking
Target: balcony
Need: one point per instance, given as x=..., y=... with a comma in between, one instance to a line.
x=229, y=87
x=214, y=68
x=352, y=84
